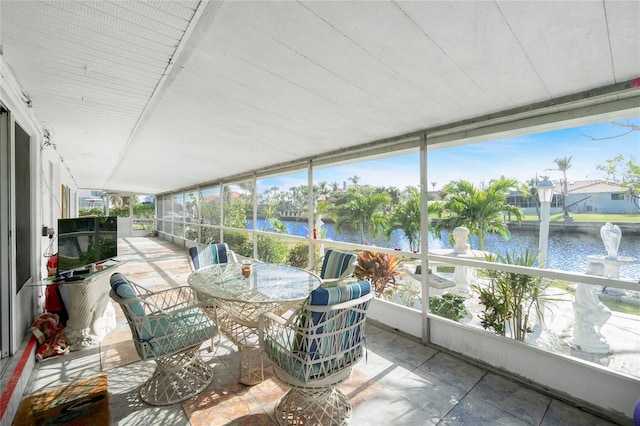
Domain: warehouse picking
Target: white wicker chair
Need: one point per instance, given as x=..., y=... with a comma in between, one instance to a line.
x=168, y=327
x=314, y=350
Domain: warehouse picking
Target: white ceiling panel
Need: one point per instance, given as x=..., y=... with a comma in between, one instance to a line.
x=151, y=96
x=90, y=68
x=570, y=53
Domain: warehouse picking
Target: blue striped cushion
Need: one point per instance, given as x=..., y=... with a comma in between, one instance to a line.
x=334, y=295
x=325, y=297
x=335, y=263
x=212, y=254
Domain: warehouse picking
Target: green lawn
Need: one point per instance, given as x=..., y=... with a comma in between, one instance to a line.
x=614, y=305
x=591, y=217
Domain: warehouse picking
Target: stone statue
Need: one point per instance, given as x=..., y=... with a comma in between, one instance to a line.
x=460, y=236
x=611, y=236
x=590, y=314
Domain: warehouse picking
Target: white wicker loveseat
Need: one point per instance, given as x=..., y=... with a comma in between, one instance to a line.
x=168, y=327
x=314, y=350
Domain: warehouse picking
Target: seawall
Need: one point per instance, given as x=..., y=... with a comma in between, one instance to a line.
x=627, y=228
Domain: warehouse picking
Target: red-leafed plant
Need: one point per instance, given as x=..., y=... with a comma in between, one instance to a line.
x=381, y=269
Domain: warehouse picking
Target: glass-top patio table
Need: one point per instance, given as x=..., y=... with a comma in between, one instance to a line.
x=240, y=301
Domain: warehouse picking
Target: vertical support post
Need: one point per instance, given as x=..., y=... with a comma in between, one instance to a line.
x=545, y=195
x=424, y=226
x=311, y=219
x=545, y=208
x=254, y=199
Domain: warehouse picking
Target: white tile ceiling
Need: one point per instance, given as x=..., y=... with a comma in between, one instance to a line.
x=149, y=96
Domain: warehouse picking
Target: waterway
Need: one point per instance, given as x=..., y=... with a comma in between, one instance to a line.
x=565, y=251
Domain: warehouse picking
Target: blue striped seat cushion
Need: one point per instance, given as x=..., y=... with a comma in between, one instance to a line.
x=335, y=263
x=208, y=255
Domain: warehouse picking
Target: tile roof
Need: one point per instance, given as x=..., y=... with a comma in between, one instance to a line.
x=594, y=186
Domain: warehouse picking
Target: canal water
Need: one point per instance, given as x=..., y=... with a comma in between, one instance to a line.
x=565, y=251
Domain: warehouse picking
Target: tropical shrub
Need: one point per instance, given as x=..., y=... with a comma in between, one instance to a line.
x=299, y=255
x=91, y=211
x=272, y=250
x=408, y=295
x=449, y=306
x=510, y=297
x=239, y=242
x=381, y=269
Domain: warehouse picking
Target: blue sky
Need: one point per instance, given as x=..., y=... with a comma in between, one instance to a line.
x=521, y=158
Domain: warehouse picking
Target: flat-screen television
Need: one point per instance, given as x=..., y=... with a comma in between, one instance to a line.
x=84, y=241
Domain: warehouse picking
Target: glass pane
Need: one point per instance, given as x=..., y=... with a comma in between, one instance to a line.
x=177, y=208
x=238, y=205
x=298, y=252
x=192, y=207
x=210, y=205
x=272, y=249
x=144, y=210
x=178, y=229
x=209, y=235
x=166, y=213
x=160, y=207
x=240, y=242
x=491, y=188
x=119, y=205
x=191, y=232
x=373, y=202
x=282, y=204
x=91, y=203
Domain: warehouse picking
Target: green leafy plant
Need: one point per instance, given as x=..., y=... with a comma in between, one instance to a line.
x=299, y=255
x=238, y=241
x=381, y=269
x=407, y=294
x=510, y=297
x=272, y=250
x=449, y=306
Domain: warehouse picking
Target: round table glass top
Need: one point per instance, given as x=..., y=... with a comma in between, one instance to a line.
x=267, y=282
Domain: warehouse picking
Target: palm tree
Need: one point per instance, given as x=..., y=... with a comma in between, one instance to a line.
x=479, y=210
x=364, y=212
x=394, y=193
x=322, y=189
x=406, y=217
x=564, y=164
x=530, y=190
x=355, y=179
